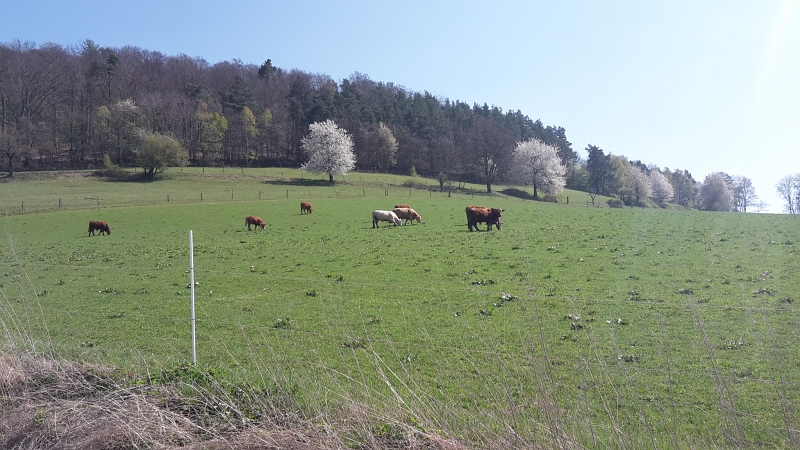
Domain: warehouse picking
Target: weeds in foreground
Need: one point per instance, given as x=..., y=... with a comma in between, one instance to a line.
x=50, y=403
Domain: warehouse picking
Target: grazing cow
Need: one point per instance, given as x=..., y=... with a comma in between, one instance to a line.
x=402, y=205
x=407, y=214
x=97, y=225
x=305, y=207
x=480, y=214
x=254, y=220
x=387, y=216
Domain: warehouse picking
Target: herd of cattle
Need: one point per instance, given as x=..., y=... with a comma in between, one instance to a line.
x=397, y=216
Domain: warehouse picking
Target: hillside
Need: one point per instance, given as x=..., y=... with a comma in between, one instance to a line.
x=575, y=325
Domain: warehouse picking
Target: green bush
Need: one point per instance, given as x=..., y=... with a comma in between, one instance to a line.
x=111, y=170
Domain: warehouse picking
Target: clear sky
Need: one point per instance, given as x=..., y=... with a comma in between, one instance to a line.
x=690, y=84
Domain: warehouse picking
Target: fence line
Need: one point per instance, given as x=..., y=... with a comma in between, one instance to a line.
x=41, y=204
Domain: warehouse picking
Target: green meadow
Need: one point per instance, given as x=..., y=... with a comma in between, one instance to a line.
x=574, y=326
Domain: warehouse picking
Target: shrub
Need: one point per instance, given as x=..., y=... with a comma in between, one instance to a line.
x=615, y=203
x=111, y=170
x=550, y=198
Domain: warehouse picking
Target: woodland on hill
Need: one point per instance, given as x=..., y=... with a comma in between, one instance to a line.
x=74, y=105
x=69, y=107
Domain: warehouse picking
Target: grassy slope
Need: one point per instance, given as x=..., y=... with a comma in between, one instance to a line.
x=654, y=323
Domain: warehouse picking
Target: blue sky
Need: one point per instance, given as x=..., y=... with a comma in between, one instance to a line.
x=698, y=85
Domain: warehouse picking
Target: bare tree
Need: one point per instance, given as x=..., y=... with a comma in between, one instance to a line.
x=489, y=146
x=789, y=190
x=28, y=84
x=760, y=206
x=744, y=193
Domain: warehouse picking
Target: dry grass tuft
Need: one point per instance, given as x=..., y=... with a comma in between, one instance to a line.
x=47, y=403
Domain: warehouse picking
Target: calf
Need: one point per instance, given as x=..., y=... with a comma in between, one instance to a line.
x=254, y=220
x=305, y=207
x=387, y=216
x=480, y=214
x=97, y=225
x=407, y=214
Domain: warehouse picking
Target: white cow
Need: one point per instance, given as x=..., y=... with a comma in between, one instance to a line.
x=388, y=216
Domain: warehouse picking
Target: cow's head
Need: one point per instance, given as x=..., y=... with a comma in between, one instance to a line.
x=499, y=225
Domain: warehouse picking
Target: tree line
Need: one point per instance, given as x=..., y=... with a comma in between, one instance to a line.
x=68, y=107
x=86, y=106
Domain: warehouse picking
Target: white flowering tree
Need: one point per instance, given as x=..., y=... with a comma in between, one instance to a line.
x=662, y=189
x=538, y=164
x=637, y=183
x=329, y=150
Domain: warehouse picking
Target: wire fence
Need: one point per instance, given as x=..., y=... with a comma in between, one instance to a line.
x=66, y=202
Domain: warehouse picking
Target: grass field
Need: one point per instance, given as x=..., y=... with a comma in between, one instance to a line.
x=573, y=326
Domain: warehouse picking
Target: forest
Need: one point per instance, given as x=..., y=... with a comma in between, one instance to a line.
x=70, y=107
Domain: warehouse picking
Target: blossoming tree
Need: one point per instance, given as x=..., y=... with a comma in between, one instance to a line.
x=329, y=150
x=538, y=164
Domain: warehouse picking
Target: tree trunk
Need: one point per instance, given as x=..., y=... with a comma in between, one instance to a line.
x=330, y=178
x=10, y=166
x=535, y=192
x=488, y=187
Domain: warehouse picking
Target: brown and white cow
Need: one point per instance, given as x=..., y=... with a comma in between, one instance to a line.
x=97, y=225
x=481, y=214
x=254, y=220
x=407, y=214
x=305, y=208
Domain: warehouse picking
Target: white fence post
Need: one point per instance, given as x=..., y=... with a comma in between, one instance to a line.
x=191, y=281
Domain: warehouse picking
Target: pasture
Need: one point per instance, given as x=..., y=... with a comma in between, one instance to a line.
x=573, y=326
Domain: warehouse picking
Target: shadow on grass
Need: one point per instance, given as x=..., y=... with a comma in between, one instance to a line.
x=127, y=177
x=298, y=182
x=518, y=193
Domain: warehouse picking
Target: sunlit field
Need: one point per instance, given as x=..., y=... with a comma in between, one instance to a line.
x=575, y=325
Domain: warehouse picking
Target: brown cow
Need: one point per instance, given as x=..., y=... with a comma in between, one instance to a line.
x=254, y=220
x=480, y=214
x=402, y=205
x=407, y=214
x=305, y=207
x=97, y=225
